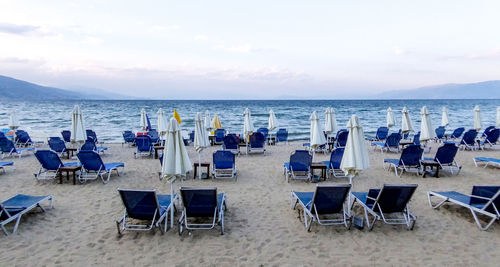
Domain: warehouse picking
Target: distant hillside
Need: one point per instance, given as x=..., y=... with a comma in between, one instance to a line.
x=11, y=88
x=480, y=90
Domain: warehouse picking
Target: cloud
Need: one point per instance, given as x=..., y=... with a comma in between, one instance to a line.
x=18, y=29
x=91, y=40
x=398, y=51
x=161, y=28
x=241, y=48
x=201, y=37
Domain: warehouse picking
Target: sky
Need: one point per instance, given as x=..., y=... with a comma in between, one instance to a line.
x=249, y=49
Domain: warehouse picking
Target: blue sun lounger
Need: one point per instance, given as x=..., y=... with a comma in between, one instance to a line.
x=8, y=148
x=66, y=136
x=224, y=164
x=468, y=140
x=12, y=209
x=128, y=137
x=320, y=205
x=203, y=204
x=333, y=166
x=50, y=164
x=257, y=143
x=484, y=200
x=391, y=144
x=381, y=134
x=410, y=159
x=57, y=145
x=487, y=162
x=144, y=205
x=341, y=138
x=445, y=156
x=457, y=133
x=282, y=136
x=487, y=131
x=93, y=167
x=90, y=145
x=299, y=166
x=144, y=146
x=391, y=199
x=219, y=136
x=4, y=164
x=491, y=138
x=231, y=143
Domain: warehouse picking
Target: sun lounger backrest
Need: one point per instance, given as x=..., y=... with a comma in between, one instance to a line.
x=487, y=131
x=141, y=205
x=394, y=198
x=264, y=131
x=191, y=136
x=231, y=141
x=300, y=160
x=66, y=135
x=416, y=139
x=469, y=137
x=143, y=143
x=382, y=133
x=458, y=132
x=488, y=192
x=57, y=145
x=329, y=199
x=336, y=158
x=48, y=159
x=446, y=153
x=257, y=140
x=440, y=132
x=90, y=160
x=128, y=136
x=91, y=135
x=223, y=159
x=199, y=202
x=6, y=145
x=342, y=138
x=493, y=135
x=219, y=135
x=282, y=135
x=393, y=140
x=153, y=134
x=89, y=145
x=411, y=155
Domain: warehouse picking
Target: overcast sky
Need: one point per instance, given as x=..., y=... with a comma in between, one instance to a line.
x=242, y=49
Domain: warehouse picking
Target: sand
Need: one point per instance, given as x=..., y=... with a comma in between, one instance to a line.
x=261, y=227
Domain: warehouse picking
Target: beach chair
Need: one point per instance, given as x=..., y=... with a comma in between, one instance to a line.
x=321, y=148
x=231, y=143
x=128, y=137
x=153, y=134
x=282, y=136
x=486, y=161
x=410, y=159
x=445, y=156
x=144, y=146
x=484, y=201
x=202, y=204
x=57, y=145
x=4, y=164
x=50, y=164
x=93, y=167
x=263, y=131
x=12, y=209
x=23, y=139
x=381, y=134
x=416, y=139
x=191, y=136
x=457, y=133
x=487, y=131
x=333, y=165
x=440, y=131
x=8, y=148
x=320, y=205
x=491, y=138
x=257, y=143
x=391, y=144
x=224, y=164
x=341, y=138
x=66, y=136
x=91, y=136
x=90, y=145
x=219, y=136
x=390, y=200
x=299, y=166
x=144, y=205
x=469, y=140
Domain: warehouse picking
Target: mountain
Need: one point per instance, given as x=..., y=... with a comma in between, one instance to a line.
x=11, y=88
x=480, y=90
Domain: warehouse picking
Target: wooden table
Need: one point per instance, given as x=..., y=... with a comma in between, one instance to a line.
x=404, y=143
x=203, y=164
x=156, y=148
x=318, y=166
x=331, y=145
x=431, y=164
x=72, y=150
x=68, y=169
x=271, y=140
x=211, y=138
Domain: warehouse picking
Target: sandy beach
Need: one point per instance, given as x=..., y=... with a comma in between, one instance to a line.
x=261, y=227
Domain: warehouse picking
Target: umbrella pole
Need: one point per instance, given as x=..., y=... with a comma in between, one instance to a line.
x=199, y=165
x=172, y=208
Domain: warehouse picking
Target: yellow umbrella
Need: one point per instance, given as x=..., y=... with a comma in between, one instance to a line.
x=216, y=122
x=177, y=116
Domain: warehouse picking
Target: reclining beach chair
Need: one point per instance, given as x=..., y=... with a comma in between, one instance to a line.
x=333, y=166
x=263, y=131
x=381, y=134
x=90, y=145
x=202, y=204
x=491, y=138
x=282, y=136
x=224, y=164
x=23, y=139
x=50, y=164
x=416, y=139
x=440, y=131
x=299, y=166
x=144, y=146
x=445, y=156
x=57, y=145
x=326, y=200
x=391, y=144
x=487, y=162
x=128, y=137
x=322, y=148
x=144, y=205
x=66, y=136
x=410, y=159
x=93, y=167
x=191, y=137
x=91, y=136
x=391, y=199
x=484, y=200
x=469, y=140
x=257, y=143
x=341, y=138
x=231, y=143
x=153, y=134
x=8, y=148
x=4, y=164
x=219, y=136
x=457, y=133
x=487, y=131
x=12, y=209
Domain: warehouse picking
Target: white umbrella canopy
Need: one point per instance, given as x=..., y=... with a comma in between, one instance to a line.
x=477, y=118
x=426, y=131
x=273, y=122
x=200, y=138
x=498, y=116
x=356, y=157
x=316, y=136
x=444, y=117
x=162, y=124
x=208, y=121
x=330, y=121
x=390, y=118
x=247, y=123
x=406, y=125
x=78, y=133
x=144, y=120
x=13, y=121
x=176, y=161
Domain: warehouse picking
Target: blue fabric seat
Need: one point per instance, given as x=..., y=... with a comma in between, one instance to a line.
x=445, y=156
x=457, y=133
x=90, y=145
x=282, y=135
x=50, y=164
x=93, y=167
x=491, y=138
x=257, y=143
x=66, y=136
x=410, y=159
x=144, y=146
x=219, y=136
x=231, y=143
x=381, y=134
x=299, y=166
x=12, y=209
x=341, y=138
x=487, y=161
x=128, y=137
x=391, y=144
x=8, y=148
x=4, y=164
x=440, y=132
x=224, y=164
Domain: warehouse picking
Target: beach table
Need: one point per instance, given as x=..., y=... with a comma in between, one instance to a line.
x=202, y=164
x=68, y=169
x=156, y=148
x=71, y=150
x=318, y=166
x=431, y=164
x=211, y=138
x=404, y=143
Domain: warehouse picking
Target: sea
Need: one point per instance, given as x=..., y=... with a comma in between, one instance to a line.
x=109, y=118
